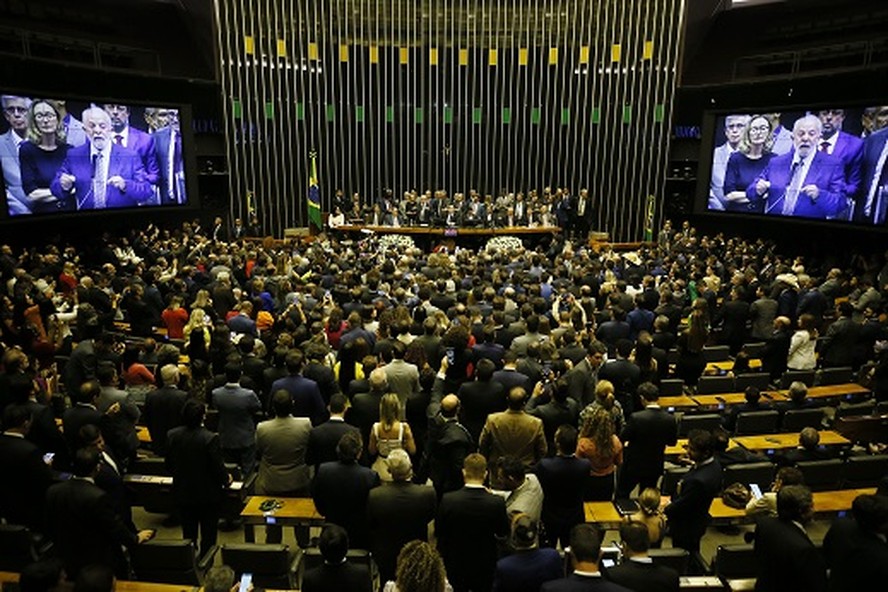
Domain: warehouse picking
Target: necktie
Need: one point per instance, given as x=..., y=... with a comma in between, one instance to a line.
x=824, y=147
x=118, y=139
x=99, y=186
x=792, y=191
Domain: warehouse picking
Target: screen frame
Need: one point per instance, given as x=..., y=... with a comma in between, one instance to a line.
x=704, y=169
x=189, y=157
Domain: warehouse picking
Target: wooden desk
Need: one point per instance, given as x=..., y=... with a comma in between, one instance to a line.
x=681, y=447
x=784, y=441
x=728, y=365
x=121, y=585
x=825, y=502
x=729, y=399
x=836, y=391
x=295, y=511
x=143, y=434
x=603, y=513
x=677, y=402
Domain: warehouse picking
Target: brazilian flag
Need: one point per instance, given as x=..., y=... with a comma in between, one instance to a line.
x=314, y=194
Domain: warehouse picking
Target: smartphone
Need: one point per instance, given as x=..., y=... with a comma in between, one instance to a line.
x=756, y=490
x=451, y=355
x=47, y=458
x=270, y=520
x=607, y=562
x=246, y=582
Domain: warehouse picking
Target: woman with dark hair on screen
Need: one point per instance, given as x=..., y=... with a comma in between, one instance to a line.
x=42, y=156
x=746, y=164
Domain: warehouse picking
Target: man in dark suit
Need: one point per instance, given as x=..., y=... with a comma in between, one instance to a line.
x=733, y=317
x=647, y=434
x=559, y=410
x=839, y=345
x=83, y=412
x=364, y=410
x=845, y=147
x=323, y=439
x=509, y=376
x=43, y=431
x=306, y=395
x=624, y=375
x=194, y=459
x=82, y=364
x=122, y=134
x=336, y=573
x=340, y=490
x=777, y=348
x=26, y=476
x=82, y=522
x=468, y=523
x=874, y=179
x=637, y=572
x=163, y=408
x=171, y=167
x=397, y=513
x=563, y=478
x=583, y=377
x=101, y=174
x=449, y=442
x=237, y=430
x=480, y=398
x=688, y=512
x=786, y=557
x=803, y=182
x=585, y=553
x=855, y=548
x=807, y=450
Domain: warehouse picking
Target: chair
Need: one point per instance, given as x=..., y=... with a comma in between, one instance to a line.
x=735, y=562
x=882, y=408
x=796, y=419
x=822, y=475
x=759, y=380
x=708, y=385
x=865, y=471
x=716, y=353
x=760, y=473
x=790, y=376
x=706, y=421
x=671, y=387
x=750, y=423
x=755, y=350
x=17, y=548
x=839, y=375
x=677, y=559
x=169, y=562
x=672, y=356
x=272, y=566
x=855, y=409
x=311, y=557
x=671, y=477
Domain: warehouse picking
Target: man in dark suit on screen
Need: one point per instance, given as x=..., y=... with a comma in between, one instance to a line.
x=170, y=164
x=845, y=147
x=874, y=179
x=804, y=182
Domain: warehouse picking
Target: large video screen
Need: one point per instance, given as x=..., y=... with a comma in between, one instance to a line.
x=64, y=156
x=825, y=163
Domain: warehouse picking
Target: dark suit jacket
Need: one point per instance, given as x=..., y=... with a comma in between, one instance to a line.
x=477, y=401
x=510, y=379
x=787, y=559
x=45, y=432
x=75, y=418
x=163, y=412
x=625, y=376
x=236, y=407
x=775, y=354
x=340, y=493
x=122, y=161
x=81, y=366
x=81, y=520
x=364, y=412
x=337, y=578
x=857, y=559
x=526, y=571
x=577, y=583
x=562, y=479
x=872, y=149
x=688, y=512
x=840, y=343
x=555, y=414
x=171, y=190
x=644, y=577
x=397, y=513
x=826, y=172
x=194, y=459
x=25, y=481
x=849, y=150
x=647, y=434
x=468, y=522
x=322, y=441
x=307, y=399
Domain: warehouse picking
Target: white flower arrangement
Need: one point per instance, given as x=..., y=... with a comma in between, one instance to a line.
x=396, y=241
x=504, y=244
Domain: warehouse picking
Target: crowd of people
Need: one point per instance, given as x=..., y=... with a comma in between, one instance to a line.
x=489, y=393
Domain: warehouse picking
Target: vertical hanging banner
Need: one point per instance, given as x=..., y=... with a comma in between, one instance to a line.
x=649, y=219
x=314, y=194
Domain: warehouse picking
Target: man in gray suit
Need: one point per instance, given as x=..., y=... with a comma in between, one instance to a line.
x=15, y=110
x=402, y=377
x=237, y=432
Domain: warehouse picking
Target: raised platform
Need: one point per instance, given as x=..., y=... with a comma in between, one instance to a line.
x=452, y=232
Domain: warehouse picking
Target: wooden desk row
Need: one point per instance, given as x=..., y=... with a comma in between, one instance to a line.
x=720, y=400
x=127, y=585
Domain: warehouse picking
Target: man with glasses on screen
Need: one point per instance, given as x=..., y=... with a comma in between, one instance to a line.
x=734, y=126
x=845, y=147
x=804, y=182
x=15, y=110
x=134, y=139
x=100, y=174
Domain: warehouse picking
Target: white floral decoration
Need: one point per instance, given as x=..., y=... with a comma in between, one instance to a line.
x=396, y=241
x=504, y=243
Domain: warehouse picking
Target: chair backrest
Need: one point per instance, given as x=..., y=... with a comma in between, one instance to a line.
x=790, y=376
x=822, y=475
x=708, y=385
x=882, y=408
x=855, y=409
x=676, y=558
x=760, y=380
x=795, y=420
x=755, y=350
x=311, y=558
x=671, y=387
x=716, y=353
x=760, y=473
x=16, y=547
x=838, y=375
x=757, y=422
x=733, y=562
x=166, y=561
x=706, y=421
x=271, y=565
x=865, y=471
x=671, y=477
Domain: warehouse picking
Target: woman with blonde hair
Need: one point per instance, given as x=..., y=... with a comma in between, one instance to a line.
x=197, y=335
x=605, y=399
x=388, y=434
x=42, y=156
x=600, y=445
x=650, y=515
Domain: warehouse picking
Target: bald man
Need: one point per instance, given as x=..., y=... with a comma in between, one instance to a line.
x=449, y=444
x=514, y=432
